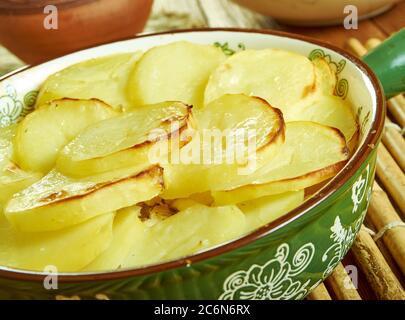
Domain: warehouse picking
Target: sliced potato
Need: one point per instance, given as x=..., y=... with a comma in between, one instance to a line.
x=328, y=110
x=7, y=135
x=254, y=191
x=262, y=211
x=128, y=230
x=224, y=118
x=281, y=77
x=183, y=204
x=190, y=231
x=103, y=78
x=325, y=76
x=13, y=180
x=310, y=147
x=48, y=129
x=314, y=153
x=176, y=71
x=56, y=202
x=124, y=141
x=68, y=250
x=241, y=112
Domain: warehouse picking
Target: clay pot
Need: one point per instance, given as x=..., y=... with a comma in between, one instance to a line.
x=25, y=27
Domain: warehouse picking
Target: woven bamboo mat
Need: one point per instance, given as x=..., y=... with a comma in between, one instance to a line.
x=375, y=266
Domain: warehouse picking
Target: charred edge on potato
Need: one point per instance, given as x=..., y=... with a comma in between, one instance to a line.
x=345, y=150
x=186, y=125
x=310, y=88
x=353, y=143
x=55, y=101
x=280, y=133
x=155, y=171
x=327, y=172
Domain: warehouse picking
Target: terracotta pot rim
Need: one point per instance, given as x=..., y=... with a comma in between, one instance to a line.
x=331, y=188
x=38, y=6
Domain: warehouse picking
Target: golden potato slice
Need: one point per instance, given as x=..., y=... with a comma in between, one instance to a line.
x=241, y=112
x=262, y=132
x=125, y=140
x=56, y=201
x=314, y=153
x=7, y=135
x=182, y=204
x=309, y=147
x=262, y=211
x=13, y=180
x=103, y=78
x=281, y=77
x=128, y=230
x=327, y=110
x=190, y=231
x=176, y=71
x=254, y=191
x=68, y=250
x=325, y=76
x=48, y=129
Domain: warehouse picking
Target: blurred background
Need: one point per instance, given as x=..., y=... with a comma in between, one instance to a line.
x=84, y=23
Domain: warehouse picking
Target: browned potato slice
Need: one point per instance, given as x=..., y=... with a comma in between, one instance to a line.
x=314, y=153
x=124, y=141
x=251, y=116
x=44, y=132
x=56, y=202
x=253, y=191
x=325, y=77
x=281, y=77
x=327, y=110
x=176, y=71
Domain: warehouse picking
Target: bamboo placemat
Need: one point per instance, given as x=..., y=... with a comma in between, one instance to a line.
x=377, y=258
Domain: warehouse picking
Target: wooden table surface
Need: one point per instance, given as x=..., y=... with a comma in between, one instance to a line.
x=224, y=13
x=378, y=27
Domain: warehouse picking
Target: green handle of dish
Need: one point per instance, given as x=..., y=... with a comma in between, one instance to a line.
x=388, y=62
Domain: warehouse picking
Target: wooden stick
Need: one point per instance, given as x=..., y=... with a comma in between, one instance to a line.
x=391, y=261
x=381, y=213
x=372, y=43
x=319, y=293
x=356, y=47
x=396, y=107
x=378, y=273
x=391, y=177
x=395, y=143
x=341, y=284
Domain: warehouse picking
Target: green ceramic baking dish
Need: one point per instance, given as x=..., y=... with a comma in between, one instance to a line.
x=283, y=260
